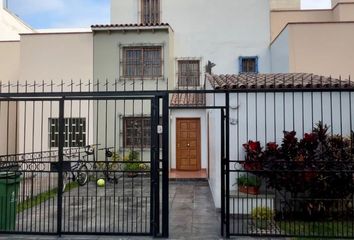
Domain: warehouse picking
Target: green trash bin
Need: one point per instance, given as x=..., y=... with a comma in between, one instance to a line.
x=9, y=185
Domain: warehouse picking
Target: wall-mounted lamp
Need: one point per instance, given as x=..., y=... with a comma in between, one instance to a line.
x=233, y=121
x=233, y=107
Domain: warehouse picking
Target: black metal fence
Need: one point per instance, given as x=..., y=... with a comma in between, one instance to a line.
x=287, y=163
x=83, y=162
x=93, y=158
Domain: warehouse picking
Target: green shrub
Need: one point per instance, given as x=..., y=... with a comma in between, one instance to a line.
x=133, y=162
x=262, y=213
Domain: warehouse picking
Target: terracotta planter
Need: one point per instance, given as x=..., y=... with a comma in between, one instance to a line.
x=249, y=190
x=132, y=174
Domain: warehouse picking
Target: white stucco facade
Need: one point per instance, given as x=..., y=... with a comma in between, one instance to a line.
x=280, y=53
x=209, y=30
x=261, y=117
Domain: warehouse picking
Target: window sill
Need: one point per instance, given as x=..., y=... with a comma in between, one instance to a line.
x=199, y=87
x=141, y=78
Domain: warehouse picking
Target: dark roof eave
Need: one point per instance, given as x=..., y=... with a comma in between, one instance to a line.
x=130, y=27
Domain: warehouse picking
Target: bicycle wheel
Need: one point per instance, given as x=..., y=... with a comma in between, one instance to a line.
x=82, y=175
x=65, y=180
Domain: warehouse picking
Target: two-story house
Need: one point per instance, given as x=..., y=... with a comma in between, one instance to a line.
x=166, y=44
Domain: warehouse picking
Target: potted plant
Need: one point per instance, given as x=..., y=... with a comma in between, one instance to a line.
x=133, y=164
x=249, y=184
x=262, y=217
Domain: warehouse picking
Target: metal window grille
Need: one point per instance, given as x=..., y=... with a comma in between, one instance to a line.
x=142, y=62
x=75, y=132
x=248, y=65
x=188, y=73
x=137, y=132
x=150, y=11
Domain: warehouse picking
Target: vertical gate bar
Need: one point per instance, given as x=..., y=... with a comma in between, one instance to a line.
x=155, y=211
x=157, y=165
x=222, y=143
x=165, y=167
x=152, y=168
x=227, y=155
x=60, y=166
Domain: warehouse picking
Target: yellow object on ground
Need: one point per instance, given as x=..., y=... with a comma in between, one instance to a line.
x=100, y=182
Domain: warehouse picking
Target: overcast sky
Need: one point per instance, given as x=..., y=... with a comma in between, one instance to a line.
x=83, y=13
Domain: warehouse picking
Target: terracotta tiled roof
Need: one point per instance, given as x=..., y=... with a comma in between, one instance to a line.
x=188, y=99
x=132, y=25
x=281, y=80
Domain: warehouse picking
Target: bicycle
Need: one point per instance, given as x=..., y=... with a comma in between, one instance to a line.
x=79, y=171
x=109, y=167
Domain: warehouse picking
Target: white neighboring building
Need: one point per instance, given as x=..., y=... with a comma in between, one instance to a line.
x=11, y=25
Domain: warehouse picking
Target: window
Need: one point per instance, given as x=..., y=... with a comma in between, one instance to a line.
x=248, y=64
x=74, y=135
x=188, y=73
x=150, y=11
x=137, y=132
x=142, y=62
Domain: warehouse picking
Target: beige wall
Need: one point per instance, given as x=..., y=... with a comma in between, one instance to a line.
x=52, y=57
x=344, y=12
x=9, y=61
x=340, y=12
x=285, y=4
x=279, y=19
x=327, y=49
x=108, y=54
x=61, y=56
x=335, y=2
x=8, y=117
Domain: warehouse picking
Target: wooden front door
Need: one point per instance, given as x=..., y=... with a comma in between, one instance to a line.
x=188, y=144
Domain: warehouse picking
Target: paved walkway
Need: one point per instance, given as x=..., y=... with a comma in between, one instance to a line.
x=192, y=216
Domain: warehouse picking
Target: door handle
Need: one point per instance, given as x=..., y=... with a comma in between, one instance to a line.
x=188, y=145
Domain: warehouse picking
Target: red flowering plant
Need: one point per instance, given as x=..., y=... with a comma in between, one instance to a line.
x=319, y=166
x=254, y=156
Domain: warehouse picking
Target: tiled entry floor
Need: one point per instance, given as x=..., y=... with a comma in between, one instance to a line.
x=188, y=175
x=192, y=211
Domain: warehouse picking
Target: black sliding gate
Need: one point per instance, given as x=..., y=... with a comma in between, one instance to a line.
x=84, y=163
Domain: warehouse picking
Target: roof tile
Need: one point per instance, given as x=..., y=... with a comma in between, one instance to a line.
x=278, y=80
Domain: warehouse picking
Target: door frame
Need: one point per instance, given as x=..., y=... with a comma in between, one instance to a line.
x=199, y=148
